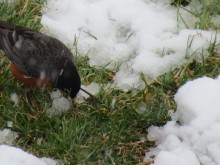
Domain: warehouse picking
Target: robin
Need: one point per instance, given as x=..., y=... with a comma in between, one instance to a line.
x=39, y=60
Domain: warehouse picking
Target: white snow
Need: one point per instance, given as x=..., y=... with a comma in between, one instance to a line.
x=14, y=98
x=7, y=136
x=196, y=139
x=142, y=36
x=15, y=156
x=10, y=124
x=10, y=155
x=59, y=104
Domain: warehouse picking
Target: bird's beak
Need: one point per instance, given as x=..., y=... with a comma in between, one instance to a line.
x=92, y=96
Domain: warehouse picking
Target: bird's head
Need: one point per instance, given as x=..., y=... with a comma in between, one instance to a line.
x=68, y=79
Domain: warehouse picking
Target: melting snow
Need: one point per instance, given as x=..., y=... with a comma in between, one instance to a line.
x=195, y=140
x=60, y=104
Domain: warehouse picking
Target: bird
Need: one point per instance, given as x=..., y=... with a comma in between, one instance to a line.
x=39, y=60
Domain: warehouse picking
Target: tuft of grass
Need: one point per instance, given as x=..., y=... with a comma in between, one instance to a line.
x=204, y=14
x=113, y=132
x=26, y=12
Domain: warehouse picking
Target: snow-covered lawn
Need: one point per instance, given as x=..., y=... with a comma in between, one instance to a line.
x=144, y=36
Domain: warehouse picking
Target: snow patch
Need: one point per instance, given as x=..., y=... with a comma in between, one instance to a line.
x=7, y=136
x=60, y=104
x=14, y=98
x=15, y=156
x=143, y=38
x=192, y=137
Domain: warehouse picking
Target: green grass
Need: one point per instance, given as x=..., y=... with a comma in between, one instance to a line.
x=90, y=133
x=209, y=9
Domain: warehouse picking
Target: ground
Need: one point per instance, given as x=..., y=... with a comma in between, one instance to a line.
x=113, y=132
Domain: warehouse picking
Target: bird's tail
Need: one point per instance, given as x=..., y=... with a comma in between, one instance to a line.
x=5, y=28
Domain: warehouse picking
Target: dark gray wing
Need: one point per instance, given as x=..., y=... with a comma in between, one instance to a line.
x=32, y=52
x=22, y=51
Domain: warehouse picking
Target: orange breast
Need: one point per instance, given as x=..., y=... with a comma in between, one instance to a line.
x=30, y=81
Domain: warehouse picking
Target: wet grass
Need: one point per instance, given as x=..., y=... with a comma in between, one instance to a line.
x=113, y=132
